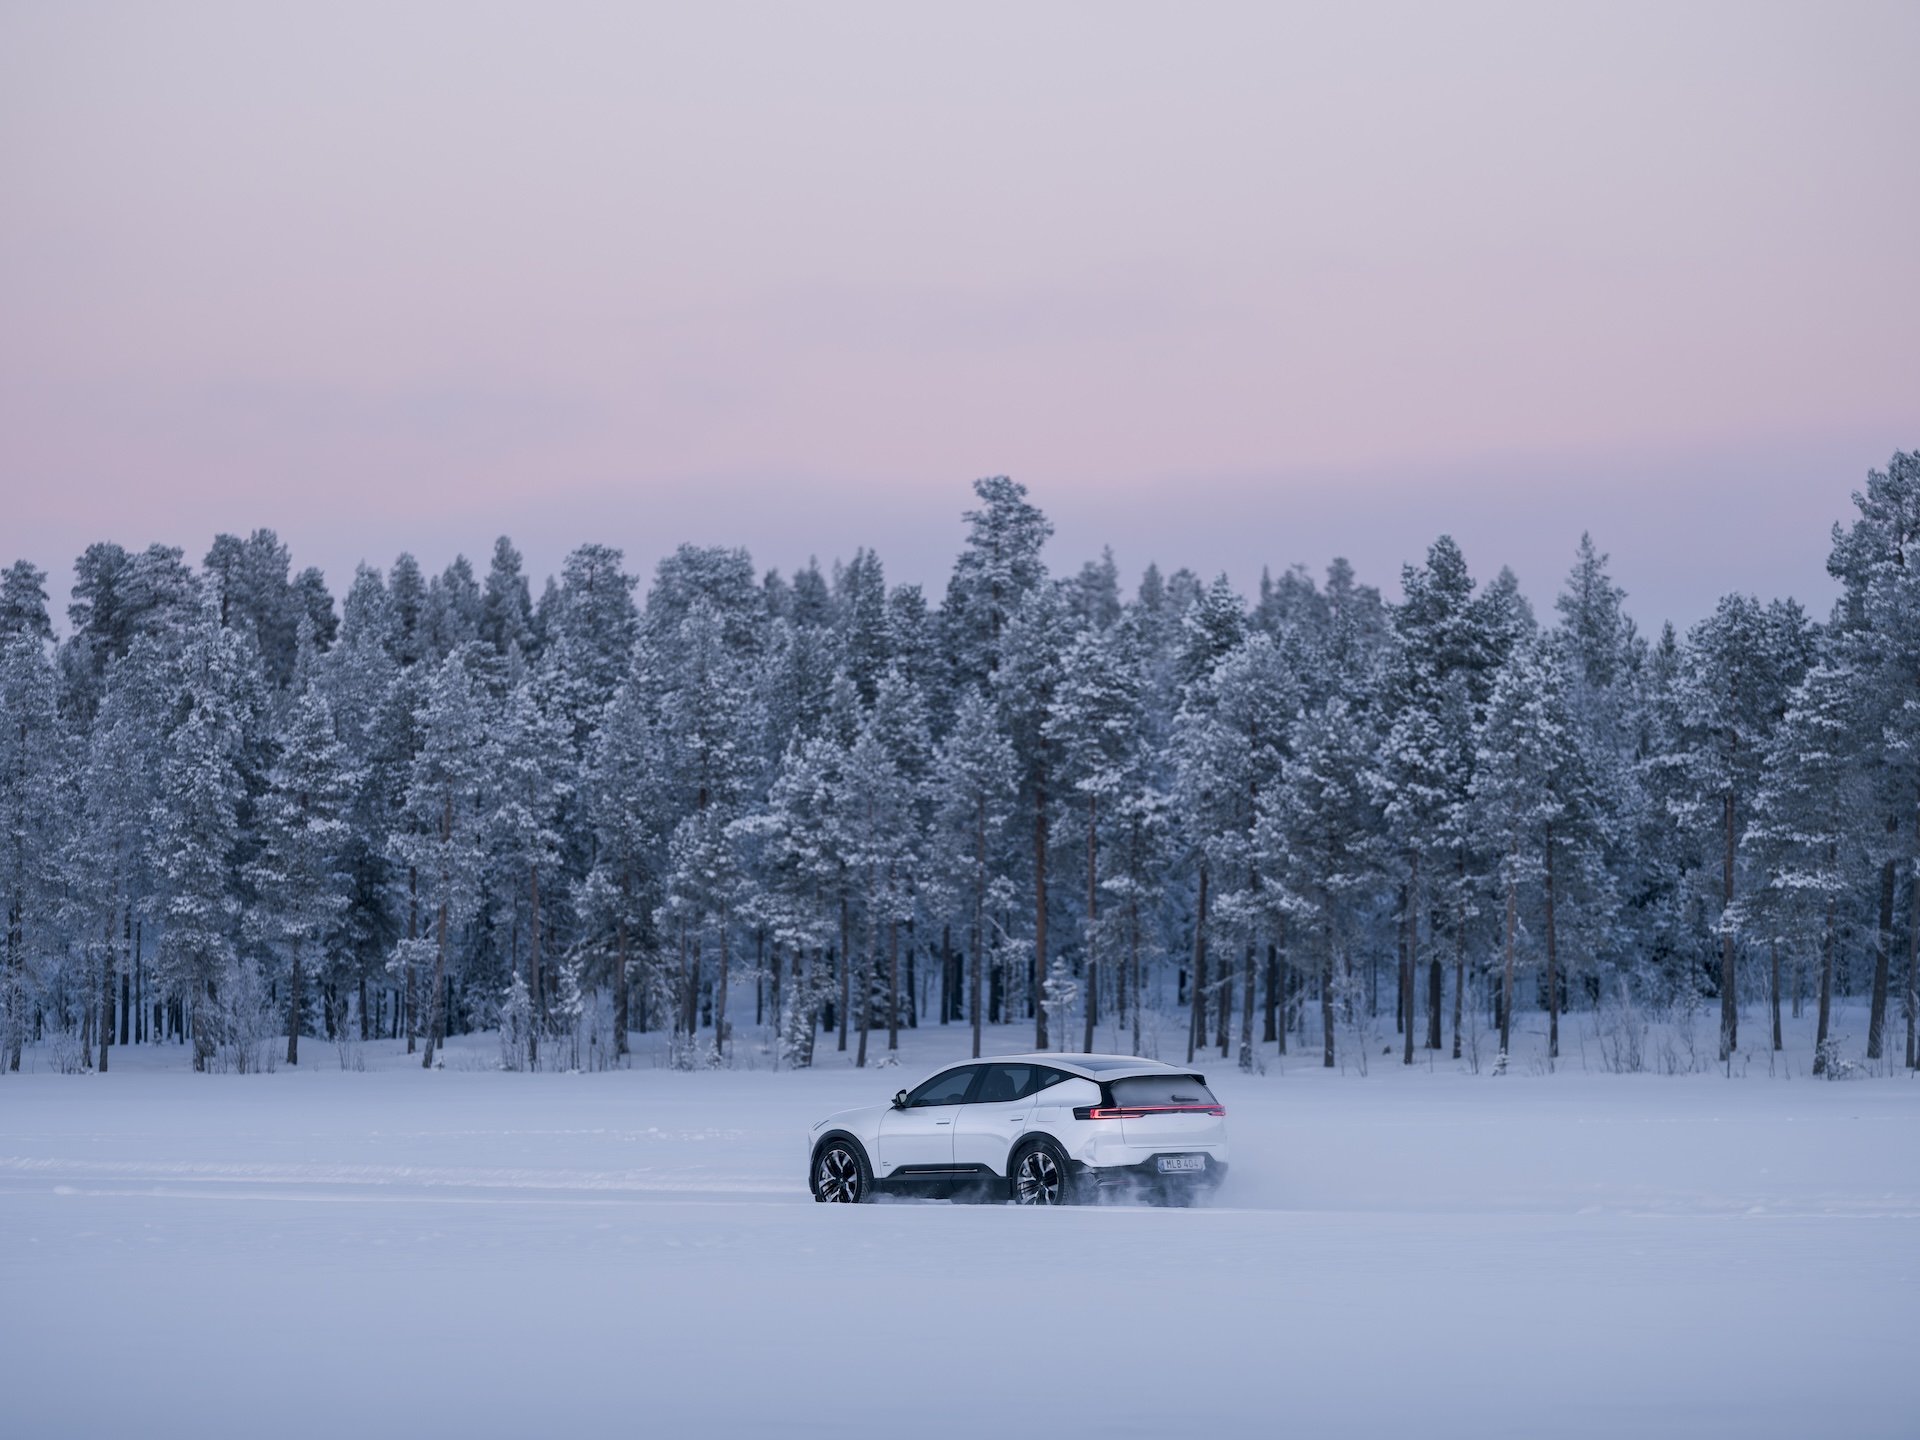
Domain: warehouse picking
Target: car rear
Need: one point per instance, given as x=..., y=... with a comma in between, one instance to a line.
x=1160, y=1126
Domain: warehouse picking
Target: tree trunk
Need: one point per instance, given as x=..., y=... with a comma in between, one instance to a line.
x=1729, y=997
x=436, y=1027
x=1246, y=1008
x=1282, y=984
x=106, y=996
x=974, y=967
x=946, y=973
x=293, y=1006
x=721, y=981
x=1513, y=927
x=1882, y=957
x=1269, y=1021
x=1553, y=961
x=846, y=968
x=979, y=937
x=1326, y=1008
x=1773, y=948
x=620, y=998
x=1460, y=951
x=1913, y=961
x=1411, y=956
x=1040, y=917
x=1223, y=1012
x=1133, y=962
x=869, y=956
x=1197, y=1025
x=1090, y=1006
x=536, y=1022
x=1826, y=980
x=893, y=983
x=409, y=1000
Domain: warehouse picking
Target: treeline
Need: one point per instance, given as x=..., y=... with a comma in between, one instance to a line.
x=233, y=811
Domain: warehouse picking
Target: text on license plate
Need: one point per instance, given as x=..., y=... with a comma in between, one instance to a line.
x=1174, y=1164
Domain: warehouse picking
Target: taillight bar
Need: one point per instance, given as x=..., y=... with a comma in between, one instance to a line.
x=1140, y=1112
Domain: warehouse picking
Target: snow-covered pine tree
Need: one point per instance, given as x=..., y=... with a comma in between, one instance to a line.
x=299, y=871
x=993, y=575
x=23, y=602
x=1230, y=747
x=1803, y=831
x=506, y=604
x=34, y=793
x=976, y=785
x=528, y=760
x=898, y=720
x=1318, y=841
x=440, y=842
x=627, y=807
x=711, y=731
x=1878, y=622
x=1740, y=664
x=1031, y=649
x=1521, y=745
x=1439, y=657
x=197, y=834
x=873, y=810
x=1094, y=723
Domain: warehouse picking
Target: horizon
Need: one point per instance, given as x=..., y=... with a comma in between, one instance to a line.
x=543, y=549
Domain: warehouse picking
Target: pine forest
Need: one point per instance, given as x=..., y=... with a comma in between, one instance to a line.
x=775, y=819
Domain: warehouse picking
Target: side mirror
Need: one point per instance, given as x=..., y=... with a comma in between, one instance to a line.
x=900, y=1100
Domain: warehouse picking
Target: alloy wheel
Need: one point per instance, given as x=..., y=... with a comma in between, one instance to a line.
x=836, y=1179
x=1037, y=1180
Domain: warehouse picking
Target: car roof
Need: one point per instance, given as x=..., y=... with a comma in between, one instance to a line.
x=1093, y=1067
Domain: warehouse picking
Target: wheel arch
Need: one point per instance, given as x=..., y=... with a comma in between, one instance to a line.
x=1026, y=1138
x=852, y=1139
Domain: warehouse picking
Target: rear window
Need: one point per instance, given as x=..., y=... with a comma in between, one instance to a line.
x=1161, y=1090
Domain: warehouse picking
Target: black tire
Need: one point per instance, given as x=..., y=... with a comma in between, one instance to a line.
x=839, y=1174
x=1038, y=1174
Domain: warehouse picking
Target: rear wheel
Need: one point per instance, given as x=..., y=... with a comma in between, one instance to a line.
x=840, y=1174
x=1039, y=1176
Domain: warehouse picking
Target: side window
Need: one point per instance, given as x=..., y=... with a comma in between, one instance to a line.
x=1006, y=1083
x=947, y=1088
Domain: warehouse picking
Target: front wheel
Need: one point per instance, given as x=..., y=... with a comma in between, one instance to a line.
x=840, y=1174
x=1039, y=1176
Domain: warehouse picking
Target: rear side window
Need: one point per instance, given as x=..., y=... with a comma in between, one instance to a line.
x=1006, y=1083
x=1161, y=1090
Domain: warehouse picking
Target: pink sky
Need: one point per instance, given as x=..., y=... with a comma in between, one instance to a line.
x=1223, y=284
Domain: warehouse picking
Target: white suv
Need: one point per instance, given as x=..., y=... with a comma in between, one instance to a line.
x=1038, y=1129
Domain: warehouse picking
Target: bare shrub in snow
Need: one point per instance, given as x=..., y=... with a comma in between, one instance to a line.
x=516, y=1025
x=243, y=1021
x=66, y=1055
x=1622, y=1031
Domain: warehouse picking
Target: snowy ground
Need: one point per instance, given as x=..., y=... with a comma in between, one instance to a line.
x=471, y=1253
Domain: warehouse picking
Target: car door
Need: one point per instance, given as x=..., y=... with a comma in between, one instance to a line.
x=920, y=1133
x=997, y=1114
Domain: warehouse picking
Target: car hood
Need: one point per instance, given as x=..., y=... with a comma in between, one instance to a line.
x=856, y=1120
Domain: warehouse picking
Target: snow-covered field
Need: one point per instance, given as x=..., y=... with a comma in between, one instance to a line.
x=472, y=1253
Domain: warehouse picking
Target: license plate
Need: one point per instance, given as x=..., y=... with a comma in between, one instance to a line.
x=1176, y=1164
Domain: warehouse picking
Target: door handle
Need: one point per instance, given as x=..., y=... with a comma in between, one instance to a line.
x=943, y=1122
x=1015, y=1119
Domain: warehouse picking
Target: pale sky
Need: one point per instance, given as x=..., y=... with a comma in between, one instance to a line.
x=1223, y=284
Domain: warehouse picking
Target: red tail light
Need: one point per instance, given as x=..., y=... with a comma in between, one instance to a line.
x=1140, y=1112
